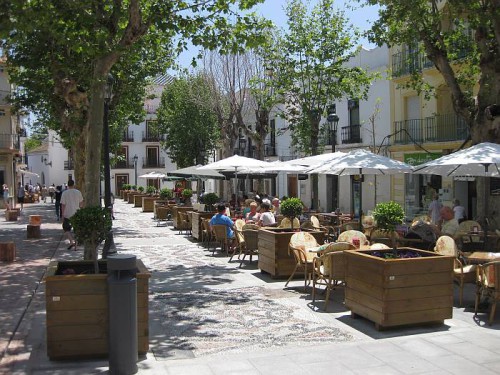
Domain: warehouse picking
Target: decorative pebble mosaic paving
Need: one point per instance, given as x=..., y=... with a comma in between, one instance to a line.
x=232, y=321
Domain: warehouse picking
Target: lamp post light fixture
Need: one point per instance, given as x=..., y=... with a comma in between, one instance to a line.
x=333, y=123
x=135, y=170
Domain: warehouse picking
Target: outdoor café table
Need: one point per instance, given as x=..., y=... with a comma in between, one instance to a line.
x=479, y=257
x=336, y=219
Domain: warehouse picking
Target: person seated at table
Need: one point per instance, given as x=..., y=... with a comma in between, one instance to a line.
x=459, y=211
x=266, y=217
x=449, y=225
x=220, y=218
x=275, y=209
x=253, y=215
x=246, y=208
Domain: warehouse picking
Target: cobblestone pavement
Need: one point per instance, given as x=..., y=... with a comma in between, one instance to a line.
x=207, y=316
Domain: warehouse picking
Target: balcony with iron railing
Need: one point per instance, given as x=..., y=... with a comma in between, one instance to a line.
x=123, y=164
x=69, y=165
x=405, y=63
x=439, y=128
x=351, y=134
x=128, y=136
x=153, y=162
x=9, y=142
x=151, y=136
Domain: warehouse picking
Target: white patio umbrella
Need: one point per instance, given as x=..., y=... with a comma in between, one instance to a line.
x=195, y=171
x=153, y=174
x=311, y=161
x=481, y=160
x=362, y=162
x=234, y=163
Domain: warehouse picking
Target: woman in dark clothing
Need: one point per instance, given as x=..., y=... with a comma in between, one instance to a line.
x=57, y=195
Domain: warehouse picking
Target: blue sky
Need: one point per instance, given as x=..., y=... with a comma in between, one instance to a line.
x=274, y=10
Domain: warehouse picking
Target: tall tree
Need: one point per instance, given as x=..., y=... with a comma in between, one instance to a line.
x=312, y=70
x=462, y=39
x=187, y=118
x=80, y=42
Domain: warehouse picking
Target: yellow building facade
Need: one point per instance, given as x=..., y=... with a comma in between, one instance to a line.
x=424, y=129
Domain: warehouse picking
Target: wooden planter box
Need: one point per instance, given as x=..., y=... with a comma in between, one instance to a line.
x=148, y=203
x=130, y=196
x=196, y=226
x=138, y=199
x=77, y=312
x=394, y=292
x=175, y=210
x=273, y=251
x=11, y=215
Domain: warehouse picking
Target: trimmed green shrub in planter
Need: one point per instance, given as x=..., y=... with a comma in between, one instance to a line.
x=388, y=215
x=150, y=190
x=166, y=193
x=140, y=189
x=126, y=187
x=186, y=194
x=209, y=199
x=91, y=226
x=291, y=208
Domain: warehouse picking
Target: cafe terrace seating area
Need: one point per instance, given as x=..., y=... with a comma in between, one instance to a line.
x=314, y=250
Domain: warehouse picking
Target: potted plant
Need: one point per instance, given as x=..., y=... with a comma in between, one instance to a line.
x=209, y=199
x=150, y=190
x=140, y=189
x=186, y=194
x=91, y=226
x=388, y=215
x=292, y=208
x=166, y=194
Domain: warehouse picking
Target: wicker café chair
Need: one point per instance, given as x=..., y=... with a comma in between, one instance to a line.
x=446, y=245
x=207, y=235
x=240, y=240
x=299, y=243
x=251, y=236
x=183, y=222
x=350, y=235
x=287, y=224
x=488, y=285
x=220, y=235
x=329, y=268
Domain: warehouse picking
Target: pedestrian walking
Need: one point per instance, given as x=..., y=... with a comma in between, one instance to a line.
x=57, y=197
x=52, y=190
x=71, y=201
x=20, y=194
x=6, y=198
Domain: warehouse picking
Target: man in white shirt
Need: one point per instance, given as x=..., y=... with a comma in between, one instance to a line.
x=266, y=217
x=71, y=201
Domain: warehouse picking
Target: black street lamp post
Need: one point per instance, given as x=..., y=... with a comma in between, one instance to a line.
x=135, y=170
x=108, y=93
x=333, y=123
x=109, y=245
